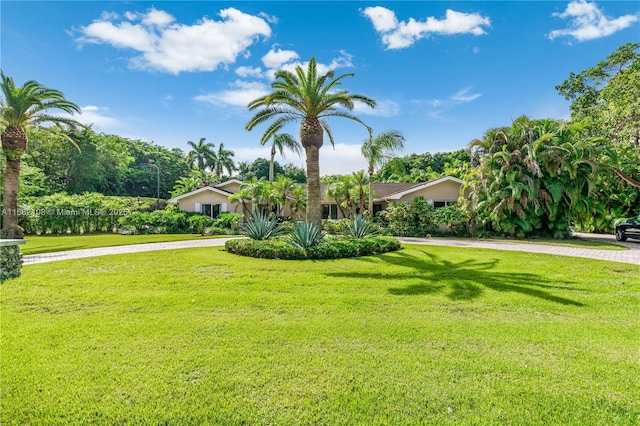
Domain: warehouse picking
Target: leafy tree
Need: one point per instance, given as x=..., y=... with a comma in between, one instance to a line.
x=378, y=151
x=202, y=154
x=224, y=161
x=307, y=98
x=362, y=186
x=340, y=191
x=609, y=95
x=535, y=177
x=279, y=143
x=184, y=185
x=283, y=186
x=297, y=174
x=21, y=107
x=424, y=167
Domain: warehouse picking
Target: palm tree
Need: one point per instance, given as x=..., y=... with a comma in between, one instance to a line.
x=280, y=142
x=378, y=151
x=361, y=183
x=283, y=186
x=224, y=161
x=299, y=201
x=309, y=99
x=21, y=107
x=202, y=153
x=340, y=191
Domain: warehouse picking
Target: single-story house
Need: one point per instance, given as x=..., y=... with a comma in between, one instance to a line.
x=214, y=199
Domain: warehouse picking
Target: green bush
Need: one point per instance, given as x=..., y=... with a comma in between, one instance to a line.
x=171, y=220
x=305, y=235
x=261, y=226
x=361, y=227
x=330, y=248
x=335, y=227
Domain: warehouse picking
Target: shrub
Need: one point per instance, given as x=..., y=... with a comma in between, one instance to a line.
x=330, y=248
x=261, y=226
x=335, y=227
x=305, y=235
x=361, y=227
x=227, y=220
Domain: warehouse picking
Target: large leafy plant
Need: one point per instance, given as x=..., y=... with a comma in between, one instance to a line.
x=305, y=235
x=261, y=226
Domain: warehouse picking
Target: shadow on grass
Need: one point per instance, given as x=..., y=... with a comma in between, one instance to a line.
x=464, y=280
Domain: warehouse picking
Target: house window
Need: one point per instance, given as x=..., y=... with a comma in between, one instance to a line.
x=329, y=211
x=438, y=204
x=377, y=208
x=211, y=210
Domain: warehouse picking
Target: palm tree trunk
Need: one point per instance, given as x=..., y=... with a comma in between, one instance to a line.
x=314, y=205
x=273, y=156
x=10, y=227
x=626, y=178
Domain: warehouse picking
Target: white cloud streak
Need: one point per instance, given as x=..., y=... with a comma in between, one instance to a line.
x=239, y=95
x=402, y=34
x=97, y=118
x=588, y=22
x=166, y=46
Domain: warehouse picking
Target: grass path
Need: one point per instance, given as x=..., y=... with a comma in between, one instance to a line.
x=427, y=335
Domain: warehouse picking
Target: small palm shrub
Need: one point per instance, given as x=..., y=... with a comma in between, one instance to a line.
x=361, y=227
x=305, y=235
x=261, y=226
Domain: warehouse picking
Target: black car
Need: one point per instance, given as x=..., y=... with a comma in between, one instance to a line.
x=628, y=229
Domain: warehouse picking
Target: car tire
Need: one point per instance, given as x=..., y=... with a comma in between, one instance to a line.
x=620, y=235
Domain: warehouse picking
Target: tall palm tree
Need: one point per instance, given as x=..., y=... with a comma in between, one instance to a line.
x=279, y=143
x=224, y=161
x=307, y=98
x=21, y=107
x=378, y=151
x=202, y=153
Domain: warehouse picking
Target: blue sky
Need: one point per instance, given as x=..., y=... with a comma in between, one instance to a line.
x=442, y=72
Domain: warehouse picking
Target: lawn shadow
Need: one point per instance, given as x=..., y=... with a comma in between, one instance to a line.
x=465, y=280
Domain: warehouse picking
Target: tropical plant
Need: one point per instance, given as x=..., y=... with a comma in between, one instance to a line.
x=340, y=192
x=184, y=185
x=535, y=178
x=309, y=99
x=378, y=151
x=21, y=107
x=299, y=202
x=362, y=188
x=261, y=226
x=223, y=161
x=279, y=143
x=202, y=155
x=283, y=186
x=305, y=235
x=360, y=227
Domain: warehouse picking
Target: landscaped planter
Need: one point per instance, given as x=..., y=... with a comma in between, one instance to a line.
x=10, y=259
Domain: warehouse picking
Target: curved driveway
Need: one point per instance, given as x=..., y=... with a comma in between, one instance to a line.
x=625, y=256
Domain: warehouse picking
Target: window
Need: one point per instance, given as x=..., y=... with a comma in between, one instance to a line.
x=329, y=211
x=211, y=210
x=438, y=204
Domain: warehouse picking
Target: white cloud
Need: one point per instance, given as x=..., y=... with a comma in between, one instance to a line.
x=241, y=93
x=342, y=61
x=401, y=34
x=344, y=159
x=464, y=96
x=249, y=71
x=384, y=108
x=439, y=106
x=97, y=118
x=276, y=58
x=172, y=47
x=588, y=22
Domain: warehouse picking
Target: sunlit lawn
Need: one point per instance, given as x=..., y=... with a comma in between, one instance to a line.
x=51, y=243
x=427, y=335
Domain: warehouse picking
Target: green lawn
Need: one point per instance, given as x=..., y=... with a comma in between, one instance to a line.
x=51, y=243
x=426, y=335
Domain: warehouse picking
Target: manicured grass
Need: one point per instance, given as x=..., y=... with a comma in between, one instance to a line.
x=52, y=243
x=426, y=335
x=573, y=242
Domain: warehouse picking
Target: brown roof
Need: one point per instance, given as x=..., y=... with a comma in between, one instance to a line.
x=380, y=190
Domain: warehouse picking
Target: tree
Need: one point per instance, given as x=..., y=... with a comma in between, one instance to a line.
x=21, y=107
x=279, y=143
x=539, y=181
x=378, y=151
x=609, y=96
x=283, y=186
x=202, y=155
x=362, y=184
x=309, y=99
x=224, y=161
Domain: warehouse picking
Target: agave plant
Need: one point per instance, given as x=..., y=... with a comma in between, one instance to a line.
x=261, y=226
x=305, y=235
x=361, y=227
